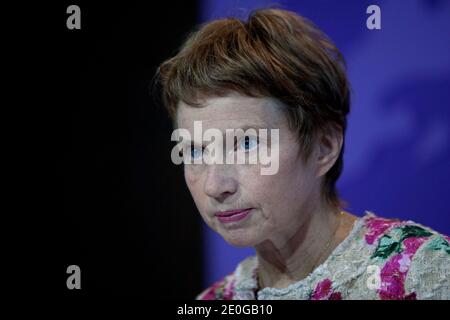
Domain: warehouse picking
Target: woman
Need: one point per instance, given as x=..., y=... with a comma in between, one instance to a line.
x=277, y=71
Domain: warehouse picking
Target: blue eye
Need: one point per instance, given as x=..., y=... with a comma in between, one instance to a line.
x=195, y=152
x=249, y=143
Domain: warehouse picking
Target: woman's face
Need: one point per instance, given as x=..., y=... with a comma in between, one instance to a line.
x=279, y=202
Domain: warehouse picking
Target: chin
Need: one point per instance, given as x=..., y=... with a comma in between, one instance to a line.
x=239, y=238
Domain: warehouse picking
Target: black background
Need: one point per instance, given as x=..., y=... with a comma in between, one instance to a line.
x=105, y=190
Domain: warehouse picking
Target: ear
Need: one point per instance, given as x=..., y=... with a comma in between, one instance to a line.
x=328, y=147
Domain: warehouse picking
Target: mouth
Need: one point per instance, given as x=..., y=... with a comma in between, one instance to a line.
x=232, y=215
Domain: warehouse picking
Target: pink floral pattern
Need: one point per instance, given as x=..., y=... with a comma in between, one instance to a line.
x=324, y=291
x=210, y=293
x=222, y=290
x=228, y=291
x=394, y=272
x=376, y=227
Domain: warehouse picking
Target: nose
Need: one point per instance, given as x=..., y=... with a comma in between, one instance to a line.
x=219, y=183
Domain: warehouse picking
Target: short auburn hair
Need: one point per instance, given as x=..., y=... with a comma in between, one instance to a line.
x=275, y=53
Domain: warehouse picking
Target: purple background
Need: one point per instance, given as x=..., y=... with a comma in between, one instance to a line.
x=397, y=144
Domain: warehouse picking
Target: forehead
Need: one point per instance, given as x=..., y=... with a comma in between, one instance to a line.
x=232, y=111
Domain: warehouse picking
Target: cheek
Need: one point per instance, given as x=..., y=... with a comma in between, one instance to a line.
x=194, y=183
x=192, y=180
x=285, y=192
x=189, y=176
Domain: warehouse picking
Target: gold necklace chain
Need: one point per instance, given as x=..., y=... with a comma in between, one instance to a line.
x=260, y=282
x=338, y=224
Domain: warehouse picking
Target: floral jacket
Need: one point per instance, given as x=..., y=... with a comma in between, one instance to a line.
x=380, y=259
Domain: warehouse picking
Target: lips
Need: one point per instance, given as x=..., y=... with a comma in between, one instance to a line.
x=232, y=215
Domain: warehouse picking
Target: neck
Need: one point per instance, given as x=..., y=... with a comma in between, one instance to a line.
x=285, y=261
